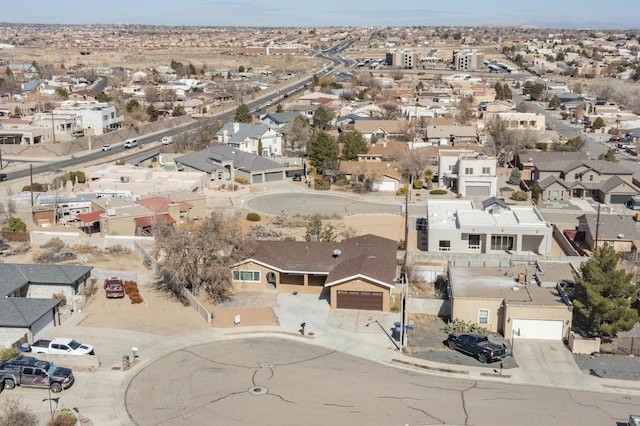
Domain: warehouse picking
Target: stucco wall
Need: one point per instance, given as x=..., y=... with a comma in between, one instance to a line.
x=467, y=310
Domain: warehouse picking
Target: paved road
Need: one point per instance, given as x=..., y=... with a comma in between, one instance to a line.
x=274, y=381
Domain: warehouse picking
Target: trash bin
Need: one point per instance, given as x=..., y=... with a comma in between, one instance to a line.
x=397, y=327
x=25, y=347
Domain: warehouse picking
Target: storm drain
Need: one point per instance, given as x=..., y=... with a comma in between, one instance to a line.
x=258, y=390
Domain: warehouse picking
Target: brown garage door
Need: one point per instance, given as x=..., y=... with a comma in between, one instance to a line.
x=369, y=300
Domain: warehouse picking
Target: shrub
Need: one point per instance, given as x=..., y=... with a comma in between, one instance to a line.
x=341, y=180
x=64, y=418
x=438, y=192
x=55, y=244
x=321, y=184
x=253, y=217
x=8, y=353
x=402, y=245
x=519, y=196
x=417, y=184
x=402, y=191
x=36, y=187
x=15, y=224
x=135, y=298
x=458, y=326
x=241, y=181
x=130, y=286
x=117, y=249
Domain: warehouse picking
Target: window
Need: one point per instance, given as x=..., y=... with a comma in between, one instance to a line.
x=450, y=167
x=483, y=316
x=486, y=170
x=591, y=178
x=502, y=242
x=468, y=170
x=246, y=276
x=474, y=242
x=444, y=245
x=576, y=176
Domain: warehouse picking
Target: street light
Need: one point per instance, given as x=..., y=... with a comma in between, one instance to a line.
x=385, y=332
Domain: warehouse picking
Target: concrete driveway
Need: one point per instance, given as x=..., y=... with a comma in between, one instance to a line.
x=547, y=363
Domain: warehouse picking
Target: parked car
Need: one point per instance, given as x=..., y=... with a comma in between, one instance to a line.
x=106, y=147
x=3, y=177
x=61, y=346
x=614, y=138
x=167, y=140
x=4, y=248
x=32, y=372
x=477, y=346
x=114, y=287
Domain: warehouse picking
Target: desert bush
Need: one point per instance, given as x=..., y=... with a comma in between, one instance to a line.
x=135, y=297
x=63, y=418
x=117, y=249
x=519, y=196
x=241, y=181
x=402, y=191
x=36, y=187
x=91, y=288
x=8, y=353
x=417, y=184
x=438, y=192
x=21, y=248
x=253, y=217
x=55, y=244
x=402, y=245
x=61, y=297
x=458, y=326
x=321, y=184
x=130, y=286
x=14, y=412
x=85, y=248
x=341, y=180
x=50, y=256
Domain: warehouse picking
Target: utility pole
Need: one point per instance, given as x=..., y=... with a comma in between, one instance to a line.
x=595, y=243
x=53, y=127
x=31, y=183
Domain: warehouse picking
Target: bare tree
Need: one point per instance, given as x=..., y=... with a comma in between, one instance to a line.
x=389, y=111
x=198, y=255
x=414, y=162
x=296, y=133
x=466, y=111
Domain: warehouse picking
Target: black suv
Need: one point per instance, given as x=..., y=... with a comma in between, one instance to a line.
x=33, y=372
x=3, y=177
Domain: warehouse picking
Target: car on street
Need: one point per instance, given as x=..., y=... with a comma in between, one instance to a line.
x=3, y=177
x=477, y=346
x=106, y=147
x=614, y=139
x=61, y=346
x=167, y=140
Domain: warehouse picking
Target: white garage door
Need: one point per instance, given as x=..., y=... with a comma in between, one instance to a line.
x=484, y=189
x=537, y=329
x=40, y=327
x=386, y=186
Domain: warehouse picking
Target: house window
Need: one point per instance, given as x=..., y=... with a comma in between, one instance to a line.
x=474, y=242
x=576, y=176
x=483, y=316
x=450, y=167
x=246, y=276
x=591, y=178
x=468, y=170
x=486, y=170
x=444, y=245
x=502, y=242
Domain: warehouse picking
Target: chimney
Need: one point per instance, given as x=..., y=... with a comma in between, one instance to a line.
x=174, y=211
x=236, y=127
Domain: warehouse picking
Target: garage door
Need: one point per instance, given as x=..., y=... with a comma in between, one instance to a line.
x=256, y=178
x=537, y=329
x=620, y=199
x=483, y=190
x=273, y=176
x=386, y=186
x=41, y=326
x=369, y=300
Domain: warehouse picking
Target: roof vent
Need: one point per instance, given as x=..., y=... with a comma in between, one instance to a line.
x=337, y=253
x=620, y=235
x=515, y=288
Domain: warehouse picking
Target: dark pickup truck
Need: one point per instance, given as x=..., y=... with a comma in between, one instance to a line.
x=29, y=371
x=477, y=346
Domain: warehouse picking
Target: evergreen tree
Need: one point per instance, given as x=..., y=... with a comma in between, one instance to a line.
x=260, y=147
x=242, y=115
x=323, y=151
x=515, y=177
x=353, y=143
x=315, y=228
x=321, y=119
x=610, y=156
x=604, y=294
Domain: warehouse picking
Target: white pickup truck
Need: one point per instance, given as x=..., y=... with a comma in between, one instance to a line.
x=61, y=346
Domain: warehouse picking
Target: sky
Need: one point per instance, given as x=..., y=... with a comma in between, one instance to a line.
x=592, y=14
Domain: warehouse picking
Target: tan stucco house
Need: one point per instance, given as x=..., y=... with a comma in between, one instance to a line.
x=357, y=273
x=520, y=301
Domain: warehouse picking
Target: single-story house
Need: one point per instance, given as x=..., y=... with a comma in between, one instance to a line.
x=225, y=162
x=28, y=309
x=519, y=301
x=357, y=273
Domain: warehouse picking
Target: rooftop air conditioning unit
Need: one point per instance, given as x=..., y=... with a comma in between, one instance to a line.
x=125, y=179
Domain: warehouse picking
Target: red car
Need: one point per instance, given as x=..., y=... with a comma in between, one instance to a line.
x=114, y=287
x=614, y=139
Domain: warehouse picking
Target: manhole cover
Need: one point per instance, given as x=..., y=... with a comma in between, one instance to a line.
x=265, y=365
x=258, y=390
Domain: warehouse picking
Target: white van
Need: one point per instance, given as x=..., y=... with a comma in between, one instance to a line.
x=130, y=143
x=167, y=140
